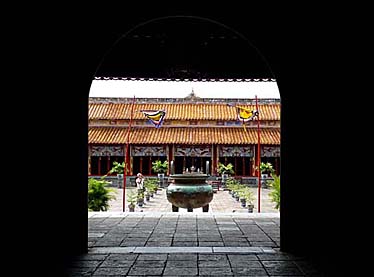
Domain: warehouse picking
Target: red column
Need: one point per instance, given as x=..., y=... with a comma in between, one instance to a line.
x=170, y=157
x=140, y=163
x=235, y=164
x=99, y=166
x=276, y=166
x=258, y=157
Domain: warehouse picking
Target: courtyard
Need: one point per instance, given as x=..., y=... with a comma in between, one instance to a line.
x=222, y=202
x=187, y=244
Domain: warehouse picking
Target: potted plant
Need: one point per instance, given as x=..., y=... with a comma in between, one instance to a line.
x=132, y=198
x=160, y=168
x=225, y=170
x=119, y=169
x=275, y=191
x=140, y=199
x=250, y=207
x=151, y=186
x=99, y=195
x=249, y=200
x=244, y=196
x=267, y=169
x=147, y=195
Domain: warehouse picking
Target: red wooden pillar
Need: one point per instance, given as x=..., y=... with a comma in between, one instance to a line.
x=141, y=164
x=276, y=166
x=150, y=165
x=217, y=158
x=89, y=160
x=213, y=162
x=235, y=164
x=131, y=162
x=99, y=166
x=258, y=157
x=254, y=160
x=89, y=165
x=243, y=166
x=170, y=157
x=108, y=163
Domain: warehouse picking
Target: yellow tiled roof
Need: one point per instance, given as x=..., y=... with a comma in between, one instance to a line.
x=179, y=111
x=186, y=135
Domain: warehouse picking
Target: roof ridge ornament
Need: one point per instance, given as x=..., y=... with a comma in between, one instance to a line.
x=185, y=79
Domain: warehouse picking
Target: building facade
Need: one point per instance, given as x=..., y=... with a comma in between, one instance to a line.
x=196, y=132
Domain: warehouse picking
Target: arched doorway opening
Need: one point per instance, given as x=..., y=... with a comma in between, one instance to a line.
x=185, y=49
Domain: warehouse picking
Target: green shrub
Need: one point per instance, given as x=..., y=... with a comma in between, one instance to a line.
x=99, y=195
x=275, y=191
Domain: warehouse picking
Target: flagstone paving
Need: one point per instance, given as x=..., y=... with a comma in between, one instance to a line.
x=186, y=244
x=153, y=241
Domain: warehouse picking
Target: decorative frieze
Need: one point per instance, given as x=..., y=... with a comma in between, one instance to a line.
x=148, y=151
x=236, y=151
x=106, y=150
x=194, y=151
x=270, y=151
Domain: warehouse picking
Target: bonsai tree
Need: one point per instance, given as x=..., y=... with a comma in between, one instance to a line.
x=99, y=195
x=160, y=167
x=275, y=191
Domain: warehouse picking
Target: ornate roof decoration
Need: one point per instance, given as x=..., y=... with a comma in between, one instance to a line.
x=187, y=79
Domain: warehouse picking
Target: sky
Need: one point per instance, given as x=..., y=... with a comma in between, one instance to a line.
x=181, y=89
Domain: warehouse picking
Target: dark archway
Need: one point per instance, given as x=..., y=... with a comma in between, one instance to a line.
x=293, y=67
x=184, y=47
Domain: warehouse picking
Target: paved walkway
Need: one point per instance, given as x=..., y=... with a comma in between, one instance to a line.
x=222, y=203
x=186, y=244
x=153, y=241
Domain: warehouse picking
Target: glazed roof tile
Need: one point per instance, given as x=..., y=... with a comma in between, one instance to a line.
x=179, y=111
x=186, y=135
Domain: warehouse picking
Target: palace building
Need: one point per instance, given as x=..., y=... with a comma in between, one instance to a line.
x=196, y=131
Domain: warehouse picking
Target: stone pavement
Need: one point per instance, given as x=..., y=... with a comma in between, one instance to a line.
x=186, y=244
x=222, y=203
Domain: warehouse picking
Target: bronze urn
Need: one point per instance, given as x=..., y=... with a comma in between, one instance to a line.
x=189, y=190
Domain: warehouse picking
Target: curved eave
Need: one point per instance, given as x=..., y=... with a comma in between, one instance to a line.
x=186, y=135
